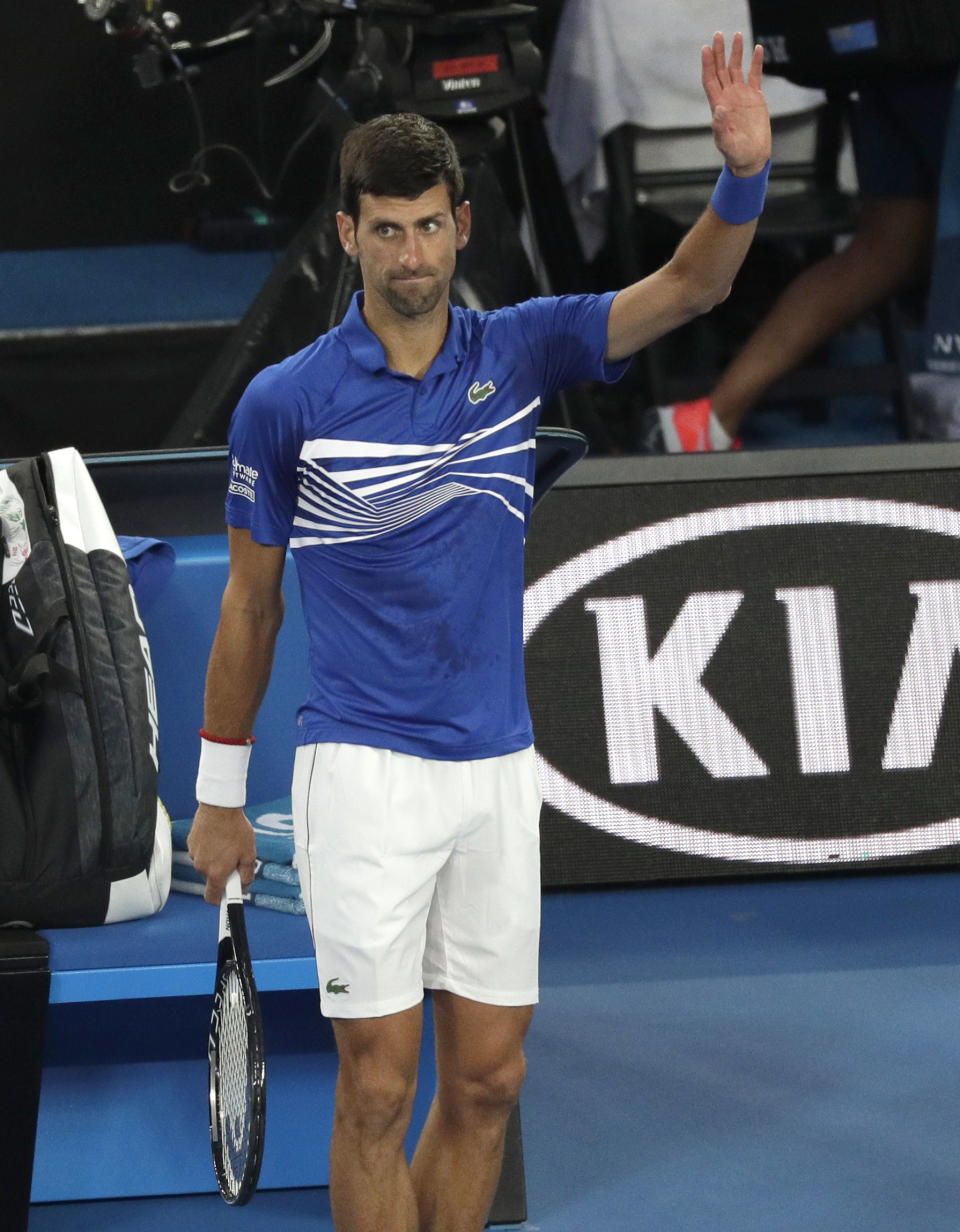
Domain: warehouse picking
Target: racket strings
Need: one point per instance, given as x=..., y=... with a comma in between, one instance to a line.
x=235, y=1084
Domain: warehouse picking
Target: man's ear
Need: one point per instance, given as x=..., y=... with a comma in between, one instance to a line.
x=462, y=216
x=348, y=233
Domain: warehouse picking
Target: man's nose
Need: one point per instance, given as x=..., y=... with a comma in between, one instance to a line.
x=411, y=254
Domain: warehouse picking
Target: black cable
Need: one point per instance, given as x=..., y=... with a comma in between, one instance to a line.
x=196, y=175
x=539, y=268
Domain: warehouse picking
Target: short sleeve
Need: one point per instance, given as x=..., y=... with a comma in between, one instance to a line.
x=265, y=441
x=567, y=336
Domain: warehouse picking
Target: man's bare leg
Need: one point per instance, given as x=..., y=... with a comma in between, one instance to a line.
x=891, y=245
x=370, y=1187
x=480, y=1069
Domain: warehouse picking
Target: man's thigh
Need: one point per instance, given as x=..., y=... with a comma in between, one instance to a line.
x=476, y=1042
x=379, y=1054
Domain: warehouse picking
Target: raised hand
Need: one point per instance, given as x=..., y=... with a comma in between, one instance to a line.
x=741, y=121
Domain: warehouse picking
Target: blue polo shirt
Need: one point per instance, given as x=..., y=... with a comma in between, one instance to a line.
x=405, y=503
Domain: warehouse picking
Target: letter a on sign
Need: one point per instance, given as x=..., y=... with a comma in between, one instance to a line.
x=636, y=685
x=934, y=642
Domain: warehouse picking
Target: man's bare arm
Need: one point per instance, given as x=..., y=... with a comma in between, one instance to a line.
x=701, y=271
x=222, y=839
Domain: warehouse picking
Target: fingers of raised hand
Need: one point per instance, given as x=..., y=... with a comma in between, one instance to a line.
x=712, y=85
x=755, y=77
x=735, y=63
x=719, y=53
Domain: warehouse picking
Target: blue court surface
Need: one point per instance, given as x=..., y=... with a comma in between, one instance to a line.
x=759, y=1056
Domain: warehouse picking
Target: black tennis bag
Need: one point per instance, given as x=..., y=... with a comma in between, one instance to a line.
x=83, y=838
x=845, y=43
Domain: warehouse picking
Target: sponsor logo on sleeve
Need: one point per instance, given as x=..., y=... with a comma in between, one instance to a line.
x=243, y=480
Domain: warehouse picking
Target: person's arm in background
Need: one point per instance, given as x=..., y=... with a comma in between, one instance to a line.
x=221, y=838
x=701, y=271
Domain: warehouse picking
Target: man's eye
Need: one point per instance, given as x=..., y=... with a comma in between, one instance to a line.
x=431, y=227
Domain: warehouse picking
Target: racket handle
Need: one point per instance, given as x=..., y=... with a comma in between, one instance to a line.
x=232, y=893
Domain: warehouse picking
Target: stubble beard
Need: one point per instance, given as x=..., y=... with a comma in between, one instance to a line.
x=409, y=301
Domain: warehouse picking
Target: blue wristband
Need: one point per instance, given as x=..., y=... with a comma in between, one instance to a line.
x=740, y=198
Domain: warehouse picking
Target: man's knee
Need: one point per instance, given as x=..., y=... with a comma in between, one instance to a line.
x=374, y=1101
x=894, y=237
x=489, y=1090
x=377, y=1078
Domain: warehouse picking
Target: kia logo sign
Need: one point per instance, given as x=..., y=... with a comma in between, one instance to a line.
x=769, y=682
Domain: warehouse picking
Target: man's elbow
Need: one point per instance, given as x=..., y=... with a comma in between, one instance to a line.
x=701, y=298
x=696, y=292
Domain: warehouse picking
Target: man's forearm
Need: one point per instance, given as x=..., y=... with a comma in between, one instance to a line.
x=701, y=271
x=697, y=277
x=221, y=838
x=239, y=669
x=709, y=258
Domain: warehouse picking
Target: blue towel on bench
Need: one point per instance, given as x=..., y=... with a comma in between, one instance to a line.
x=265, y=876
x=150, y=563
x=276, y=882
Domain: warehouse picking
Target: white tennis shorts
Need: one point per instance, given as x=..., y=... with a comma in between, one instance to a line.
x=418, y=873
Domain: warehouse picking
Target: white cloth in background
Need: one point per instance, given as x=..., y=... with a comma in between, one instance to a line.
x=635, y=62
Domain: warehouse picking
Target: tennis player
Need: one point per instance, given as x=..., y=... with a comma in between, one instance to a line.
x=395, y=457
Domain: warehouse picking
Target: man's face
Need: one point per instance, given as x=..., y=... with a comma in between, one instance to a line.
x=407, y=248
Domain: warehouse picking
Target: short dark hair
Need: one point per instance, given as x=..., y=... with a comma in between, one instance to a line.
x=397, y=155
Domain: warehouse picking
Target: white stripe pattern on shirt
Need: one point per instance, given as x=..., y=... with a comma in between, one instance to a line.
x=341, y=504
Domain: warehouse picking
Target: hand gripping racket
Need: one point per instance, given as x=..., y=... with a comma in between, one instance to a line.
x=238, y=1098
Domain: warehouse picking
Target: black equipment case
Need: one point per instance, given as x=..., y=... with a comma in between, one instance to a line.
x=83, y=837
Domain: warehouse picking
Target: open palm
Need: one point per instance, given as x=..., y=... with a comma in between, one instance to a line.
x=741, y=120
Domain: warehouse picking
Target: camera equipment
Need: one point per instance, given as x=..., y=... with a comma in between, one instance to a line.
x=128, y=15
x=445, y=58
x=441, y=58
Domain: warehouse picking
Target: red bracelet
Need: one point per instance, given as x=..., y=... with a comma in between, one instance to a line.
x=205, y=735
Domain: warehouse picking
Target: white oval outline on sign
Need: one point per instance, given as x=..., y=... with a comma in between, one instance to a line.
x=561, y=583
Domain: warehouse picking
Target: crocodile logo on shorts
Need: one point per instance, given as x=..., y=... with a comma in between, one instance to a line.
x=478, y=393
x=335, y=987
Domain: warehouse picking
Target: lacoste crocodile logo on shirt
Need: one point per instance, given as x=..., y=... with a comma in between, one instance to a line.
x=334, y=986
x=478, y=393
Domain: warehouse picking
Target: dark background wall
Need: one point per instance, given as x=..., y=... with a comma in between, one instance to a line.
x=87, y=152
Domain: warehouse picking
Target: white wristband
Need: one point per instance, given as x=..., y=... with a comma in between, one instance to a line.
x=222, y=776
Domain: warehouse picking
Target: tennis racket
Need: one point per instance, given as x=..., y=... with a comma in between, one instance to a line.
x=238, y=1097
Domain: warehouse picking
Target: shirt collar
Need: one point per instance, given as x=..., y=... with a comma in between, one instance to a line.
x=366, y=349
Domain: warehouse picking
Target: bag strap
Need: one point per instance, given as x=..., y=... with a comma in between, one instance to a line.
x=23, y=688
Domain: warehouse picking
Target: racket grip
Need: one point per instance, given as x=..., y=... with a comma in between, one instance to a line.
x=232, y=893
